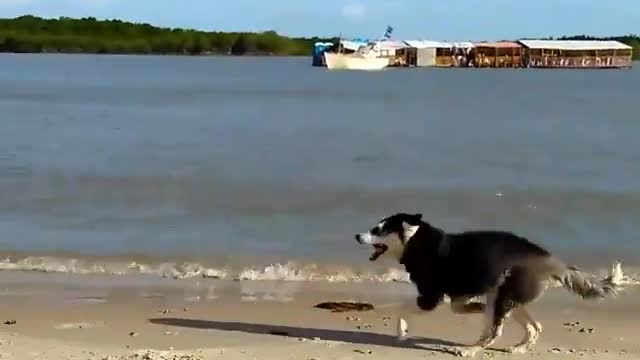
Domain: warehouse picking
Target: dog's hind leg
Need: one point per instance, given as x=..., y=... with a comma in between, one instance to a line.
x=497, y=310
x=525, y=286
x=520, y=286
x=532, y=330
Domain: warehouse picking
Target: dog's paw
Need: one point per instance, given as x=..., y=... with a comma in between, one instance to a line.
x=466, y=351
x=518, y=349
x=402, y=330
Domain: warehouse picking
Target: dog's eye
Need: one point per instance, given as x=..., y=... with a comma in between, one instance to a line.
x=375, y=231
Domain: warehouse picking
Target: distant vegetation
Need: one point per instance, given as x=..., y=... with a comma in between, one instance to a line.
x=30, y=34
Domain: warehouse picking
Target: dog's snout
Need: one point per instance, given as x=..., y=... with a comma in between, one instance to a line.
x=359, y=238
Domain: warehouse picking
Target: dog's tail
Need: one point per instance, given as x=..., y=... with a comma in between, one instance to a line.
x=587, y=286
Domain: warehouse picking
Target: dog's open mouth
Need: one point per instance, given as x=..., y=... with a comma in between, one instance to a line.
x=379, y=249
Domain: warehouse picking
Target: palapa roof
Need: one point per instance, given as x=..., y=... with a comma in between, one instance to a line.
x=391, y=44
x=498, y=44
x=575, y=44
x=423, y=44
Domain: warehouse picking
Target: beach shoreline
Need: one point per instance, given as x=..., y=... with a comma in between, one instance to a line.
x=68, y=316
x=315, y=268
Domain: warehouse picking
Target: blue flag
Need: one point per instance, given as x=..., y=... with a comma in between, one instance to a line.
x=387, y=33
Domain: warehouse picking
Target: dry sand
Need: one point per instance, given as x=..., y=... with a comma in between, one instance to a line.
x=62, y=317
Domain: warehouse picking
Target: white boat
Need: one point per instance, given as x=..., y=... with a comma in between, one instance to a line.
x=365, y=57
x=355, y=61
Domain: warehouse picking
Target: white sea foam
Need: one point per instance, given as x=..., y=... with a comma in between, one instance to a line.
x=290, y=272
x=272, y=272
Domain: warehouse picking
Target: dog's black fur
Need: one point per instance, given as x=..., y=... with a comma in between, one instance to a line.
x=468, y=264
x=509, y=269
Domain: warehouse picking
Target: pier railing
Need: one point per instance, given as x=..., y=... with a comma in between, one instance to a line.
x=579, y=62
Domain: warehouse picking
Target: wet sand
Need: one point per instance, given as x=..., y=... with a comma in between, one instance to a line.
x=91, y=317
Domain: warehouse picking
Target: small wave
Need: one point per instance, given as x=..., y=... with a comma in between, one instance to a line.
x=273, y=272
x=289, y=272
x=48, y=264
x=186, y=270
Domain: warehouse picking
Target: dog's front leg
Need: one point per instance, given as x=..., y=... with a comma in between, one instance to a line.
x=408, y=309
x=405, y=312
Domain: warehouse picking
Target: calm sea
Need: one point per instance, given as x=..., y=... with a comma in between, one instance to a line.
x=241, y=161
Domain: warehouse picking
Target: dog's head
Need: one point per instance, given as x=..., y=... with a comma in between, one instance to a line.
x=391, y=235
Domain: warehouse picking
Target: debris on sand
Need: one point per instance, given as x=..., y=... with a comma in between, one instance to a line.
x=155, y=355
x=365, y=352
x=344, y=306
x=585, y=330
x=10, y=322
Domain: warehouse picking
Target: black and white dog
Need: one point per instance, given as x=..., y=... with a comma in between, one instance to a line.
x=509, y=270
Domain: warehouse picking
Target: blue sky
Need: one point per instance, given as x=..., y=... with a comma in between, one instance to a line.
x=427, y=19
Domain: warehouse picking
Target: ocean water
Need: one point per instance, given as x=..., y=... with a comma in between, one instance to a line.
x=185, y=165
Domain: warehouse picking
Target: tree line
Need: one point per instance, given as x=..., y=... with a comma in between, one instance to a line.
x=31, y=34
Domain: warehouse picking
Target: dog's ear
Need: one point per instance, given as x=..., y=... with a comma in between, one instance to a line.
x=410, y=229
x=416, y=219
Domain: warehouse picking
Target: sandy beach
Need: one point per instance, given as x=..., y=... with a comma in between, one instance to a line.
x=62, y=316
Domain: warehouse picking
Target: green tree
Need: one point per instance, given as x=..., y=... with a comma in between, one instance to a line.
x=34, y=34
x=244, y=44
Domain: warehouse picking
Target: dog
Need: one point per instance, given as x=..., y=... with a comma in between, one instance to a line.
x=508, y=270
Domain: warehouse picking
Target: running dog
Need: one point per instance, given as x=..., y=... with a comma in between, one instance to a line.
x=509, y=270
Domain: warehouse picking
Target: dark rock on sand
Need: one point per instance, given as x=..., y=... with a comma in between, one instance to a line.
x=344, y=306
x=366, y=352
